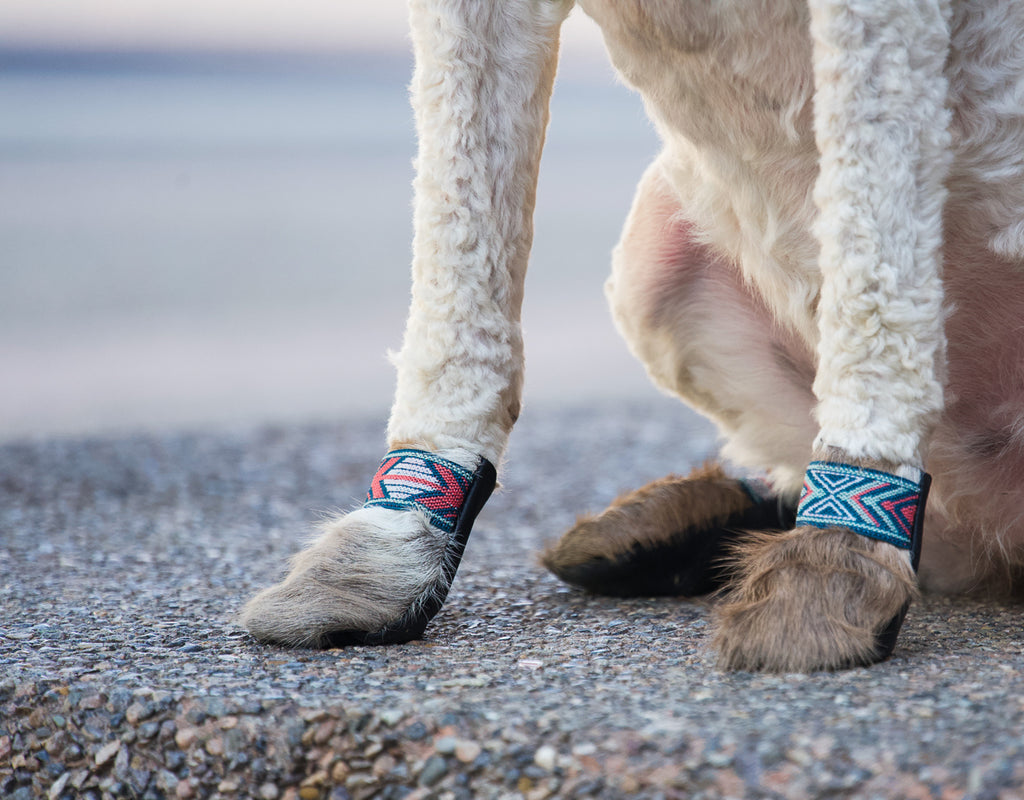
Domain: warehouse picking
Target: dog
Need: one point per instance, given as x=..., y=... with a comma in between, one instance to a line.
x=826, y=259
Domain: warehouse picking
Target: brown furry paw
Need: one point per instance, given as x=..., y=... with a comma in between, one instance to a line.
x=364, y=580
x=668, y=538
x=813, y=599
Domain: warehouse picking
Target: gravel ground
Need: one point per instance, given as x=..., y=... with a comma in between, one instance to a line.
x=122, y=673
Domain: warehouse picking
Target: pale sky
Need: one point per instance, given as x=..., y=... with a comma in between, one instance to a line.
x=220, y=24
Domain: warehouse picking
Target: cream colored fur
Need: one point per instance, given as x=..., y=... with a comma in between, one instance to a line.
x=881, y=128
x=484, y=73
x=781, y=271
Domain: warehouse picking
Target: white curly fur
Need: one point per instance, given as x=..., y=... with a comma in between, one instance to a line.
x=821, y=161
x=483, y=78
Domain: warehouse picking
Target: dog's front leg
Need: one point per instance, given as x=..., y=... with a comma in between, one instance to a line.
x=484, y=72
x=832, y=592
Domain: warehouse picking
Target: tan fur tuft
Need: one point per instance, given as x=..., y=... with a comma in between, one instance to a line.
x=811, y=599
x=648, y=517
x=364, y=572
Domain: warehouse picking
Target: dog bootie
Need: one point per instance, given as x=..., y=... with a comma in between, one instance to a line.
x=874, y=504
x=451, y=496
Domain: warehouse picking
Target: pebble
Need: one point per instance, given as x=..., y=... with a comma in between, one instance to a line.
x=92, y=702
x=185, y=738
x=58, y=786
x=545, y=757
x=467, y=752
x=107, y=752
x=434, y=769
x=137, y=712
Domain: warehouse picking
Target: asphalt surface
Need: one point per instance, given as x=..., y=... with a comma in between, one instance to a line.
x=124, y=560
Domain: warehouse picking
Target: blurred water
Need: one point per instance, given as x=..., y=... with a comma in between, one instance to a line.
x=188, y=244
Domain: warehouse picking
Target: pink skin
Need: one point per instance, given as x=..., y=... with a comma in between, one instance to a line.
x=703, y=334
x=977, y=453
x=744, y=370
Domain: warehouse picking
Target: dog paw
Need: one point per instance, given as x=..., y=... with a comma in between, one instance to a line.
x=670, y=537
x=813, y=599
x=373, y=576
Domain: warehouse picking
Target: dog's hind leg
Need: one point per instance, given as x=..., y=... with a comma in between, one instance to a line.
x=706, y=337
x=832, y=592
x=484, y=73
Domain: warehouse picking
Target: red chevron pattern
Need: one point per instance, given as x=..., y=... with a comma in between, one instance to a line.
x=418, y=479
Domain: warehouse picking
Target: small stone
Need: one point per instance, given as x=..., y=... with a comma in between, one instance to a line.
x=316, y=779
x=121, y=764
x=313, y=714
x=446, y=745
x=227, y=786
x=545, y=757
x=339, y=772
x=137, y=712
x=391, y=716
x=309, y=793
x=416, y=731
x=147, y=730
x=184, y=790
x=92, y=702
x=54, y=746
x=215, y=747
x=185, y=738
x=383, y=765
x=79, y=778
x=58, y=786
x=227, y=723
x=166, y=781
x=107, y=752
x=269, y=791
x=433, y=770
x=324, y=731
x=467, y=751
x=360, y=780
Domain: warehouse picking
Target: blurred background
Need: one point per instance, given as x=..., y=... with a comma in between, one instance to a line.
x=205, y=214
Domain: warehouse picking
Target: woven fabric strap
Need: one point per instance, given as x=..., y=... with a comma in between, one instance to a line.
x=872, y=503
x=409, y=479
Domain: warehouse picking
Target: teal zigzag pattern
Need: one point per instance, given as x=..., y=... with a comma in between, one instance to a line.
x=872, y=503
